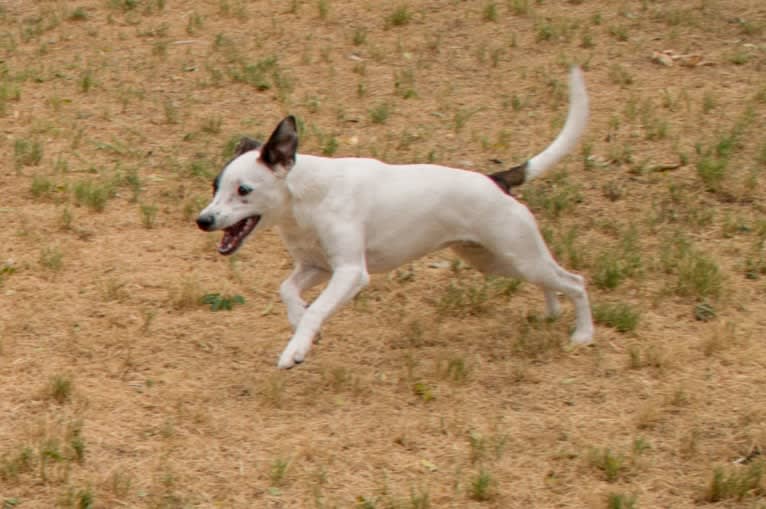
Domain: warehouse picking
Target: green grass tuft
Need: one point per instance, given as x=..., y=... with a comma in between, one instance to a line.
x=27, y=153
x=482, y=487
x=52, y=258
x=711, y=171
x=41, y=187
x=148, y=215
x=612, y=465
x=698, y=274
x=400, y=16
x=489, y=13
x=256, y=74
x=60, y=388
x=621, y=501
x=737, y=483
x=619, y=315
x=380, y=113
x=464, y=299
x=92, y=194
x=278, y=471
x=218, y=302
x=553, y=197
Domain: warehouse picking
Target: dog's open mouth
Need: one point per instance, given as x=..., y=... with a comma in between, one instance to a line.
x=236, y=233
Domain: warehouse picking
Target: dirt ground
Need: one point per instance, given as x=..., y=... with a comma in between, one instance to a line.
x=436, y=388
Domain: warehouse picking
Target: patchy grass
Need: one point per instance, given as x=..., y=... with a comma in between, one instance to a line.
x=621, y=501
x=611, y=464
x=218, y=302
x=400, y=16
x=27, y=153
x=51, y=258
x=620, y=316
x=60, y=388
x=93, y=194
x=737, y=483
x=482, y=486
x=464, y=299
x=698, y=275
x=437, y=386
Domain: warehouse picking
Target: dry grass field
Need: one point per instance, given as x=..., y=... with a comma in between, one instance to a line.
x=138, y=367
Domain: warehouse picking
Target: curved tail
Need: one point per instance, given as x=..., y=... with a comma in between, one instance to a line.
x=575, y=124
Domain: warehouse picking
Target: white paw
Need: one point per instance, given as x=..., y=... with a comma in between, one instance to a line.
x=294, y=354
x=582, y=337
x=285, y=362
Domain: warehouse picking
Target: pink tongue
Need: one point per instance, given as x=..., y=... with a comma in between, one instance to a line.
x=233, y=235
x=226, y=241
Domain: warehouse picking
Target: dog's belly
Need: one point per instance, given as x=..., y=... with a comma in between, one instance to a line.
x=390, y=257
x=393, y=242
x=378, y=262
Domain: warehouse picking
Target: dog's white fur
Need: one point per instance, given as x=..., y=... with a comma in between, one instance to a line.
x=343, y=218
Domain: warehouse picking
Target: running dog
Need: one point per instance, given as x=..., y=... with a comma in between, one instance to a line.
x=344, y=218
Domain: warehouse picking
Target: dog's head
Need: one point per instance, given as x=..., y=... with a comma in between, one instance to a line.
x=250, y=191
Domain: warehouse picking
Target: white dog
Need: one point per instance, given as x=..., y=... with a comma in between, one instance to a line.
x=343, y=218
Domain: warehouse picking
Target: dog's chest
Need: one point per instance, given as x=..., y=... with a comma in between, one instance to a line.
x=303, y=245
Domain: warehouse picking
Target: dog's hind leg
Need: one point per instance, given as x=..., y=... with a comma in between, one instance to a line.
x=552, y=306
x=547, y=274
x=537, y=266
x=302, y=278
x=556, y=279
x=487, y=262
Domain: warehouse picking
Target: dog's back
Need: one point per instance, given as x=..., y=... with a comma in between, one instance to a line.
x=430, y=205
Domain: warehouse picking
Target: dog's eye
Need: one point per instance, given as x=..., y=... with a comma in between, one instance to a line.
x=244, y=190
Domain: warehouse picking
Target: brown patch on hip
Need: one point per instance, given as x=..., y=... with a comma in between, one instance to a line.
x=507, y=179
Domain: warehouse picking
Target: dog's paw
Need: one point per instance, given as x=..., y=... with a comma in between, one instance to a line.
x=286, y=362
x=291, y=356
x=582, y=337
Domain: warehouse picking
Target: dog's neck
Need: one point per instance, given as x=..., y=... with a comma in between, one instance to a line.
x=308, y=179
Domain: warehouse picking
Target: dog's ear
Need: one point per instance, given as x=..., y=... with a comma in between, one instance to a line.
x=246, y=145
x=282, y=145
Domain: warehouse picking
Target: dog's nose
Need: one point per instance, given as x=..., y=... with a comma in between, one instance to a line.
x=205, y=222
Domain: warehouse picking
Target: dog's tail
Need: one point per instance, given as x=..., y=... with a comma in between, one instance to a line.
x=577, y=118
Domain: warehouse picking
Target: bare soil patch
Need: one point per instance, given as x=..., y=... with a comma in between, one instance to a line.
x=436, y=388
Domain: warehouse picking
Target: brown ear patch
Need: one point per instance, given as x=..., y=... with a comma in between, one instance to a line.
x=282, y=145
x=507, y=179
x=246, y=145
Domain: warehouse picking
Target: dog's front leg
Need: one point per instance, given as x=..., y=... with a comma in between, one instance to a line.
x=302, y=278
x=346, y=282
